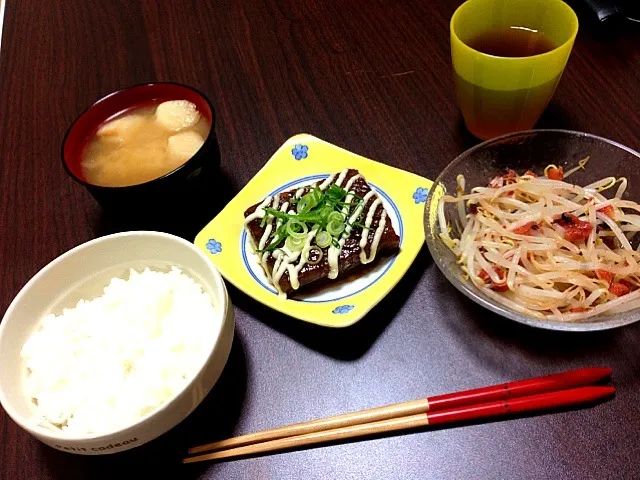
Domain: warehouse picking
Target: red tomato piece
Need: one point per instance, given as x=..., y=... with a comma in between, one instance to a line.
x=500, y=286
x=524, y=229
x=578, y=309
x=575, y=230
x=531, y=174
x=577, y=233
x=608, y=211
x=555, y=173
x=604, y=275
x=619, y=289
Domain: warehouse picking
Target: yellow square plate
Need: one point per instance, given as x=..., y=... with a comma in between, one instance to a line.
x=303, y=160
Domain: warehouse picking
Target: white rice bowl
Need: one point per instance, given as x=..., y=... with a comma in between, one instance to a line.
x=69, y=375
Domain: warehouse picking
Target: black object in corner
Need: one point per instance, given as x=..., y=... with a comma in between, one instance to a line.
x=608, y=11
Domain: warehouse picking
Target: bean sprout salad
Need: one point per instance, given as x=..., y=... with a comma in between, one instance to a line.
x=548, y=248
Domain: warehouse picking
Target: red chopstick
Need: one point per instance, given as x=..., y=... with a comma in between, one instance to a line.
x=531, y=386
x=521, y=388
x=531, y=403
x=528, y=404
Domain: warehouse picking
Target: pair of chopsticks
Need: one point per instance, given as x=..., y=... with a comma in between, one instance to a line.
x=562, y=390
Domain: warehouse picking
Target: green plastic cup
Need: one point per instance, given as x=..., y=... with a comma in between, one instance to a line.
x=499, y=95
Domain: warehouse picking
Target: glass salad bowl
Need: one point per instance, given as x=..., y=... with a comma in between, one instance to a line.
x=521, y=151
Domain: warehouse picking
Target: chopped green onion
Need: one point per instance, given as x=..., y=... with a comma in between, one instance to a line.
x=335, y=227
x=360, y=225
x=281, y=231
x=294, y=244
x=277, y=213
x=296, y=228
x=335, y=217
x=318, y=210
x=304, y=205
x=323, y=239
x=324, y=213
x=316, y=194
x=310, y=200
x=334, y=194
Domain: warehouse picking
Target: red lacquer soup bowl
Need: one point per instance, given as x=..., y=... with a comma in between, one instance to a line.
x=196, y=173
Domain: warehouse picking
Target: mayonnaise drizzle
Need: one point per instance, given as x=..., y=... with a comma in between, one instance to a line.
x=285, y=263
x=324, y=185
x=258, y=212
x=265, y=255
x=286, y=259
x=341, y=178
x=350, y=194
x=376, y=237
x=267, y=231
x=333, y=254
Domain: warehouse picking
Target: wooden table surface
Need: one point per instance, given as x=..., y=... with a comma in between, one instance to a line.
x=372, y=76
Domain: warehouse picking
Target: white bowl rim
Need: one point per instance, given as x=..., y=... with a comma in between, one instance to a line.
x=49, y=434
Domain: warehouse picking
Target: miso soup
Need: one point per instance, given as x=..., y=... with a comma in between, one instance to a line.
x=144, y=143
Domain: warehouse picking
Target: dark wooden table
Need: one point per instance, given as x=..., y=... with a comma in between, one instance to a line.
x=373, y=77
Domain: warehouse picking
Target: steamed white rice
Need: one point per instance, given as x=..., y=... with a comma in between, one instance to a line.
x=109, y=361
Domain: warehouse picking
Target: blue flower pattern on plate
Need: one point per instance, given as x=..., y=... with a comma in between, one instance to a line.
x=214, y=246
x=342, y=309
x=300, y=151
x=420, y=195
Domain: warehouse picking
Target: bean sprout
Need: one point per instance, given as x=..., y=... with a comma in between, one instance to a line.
x=545, y=247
